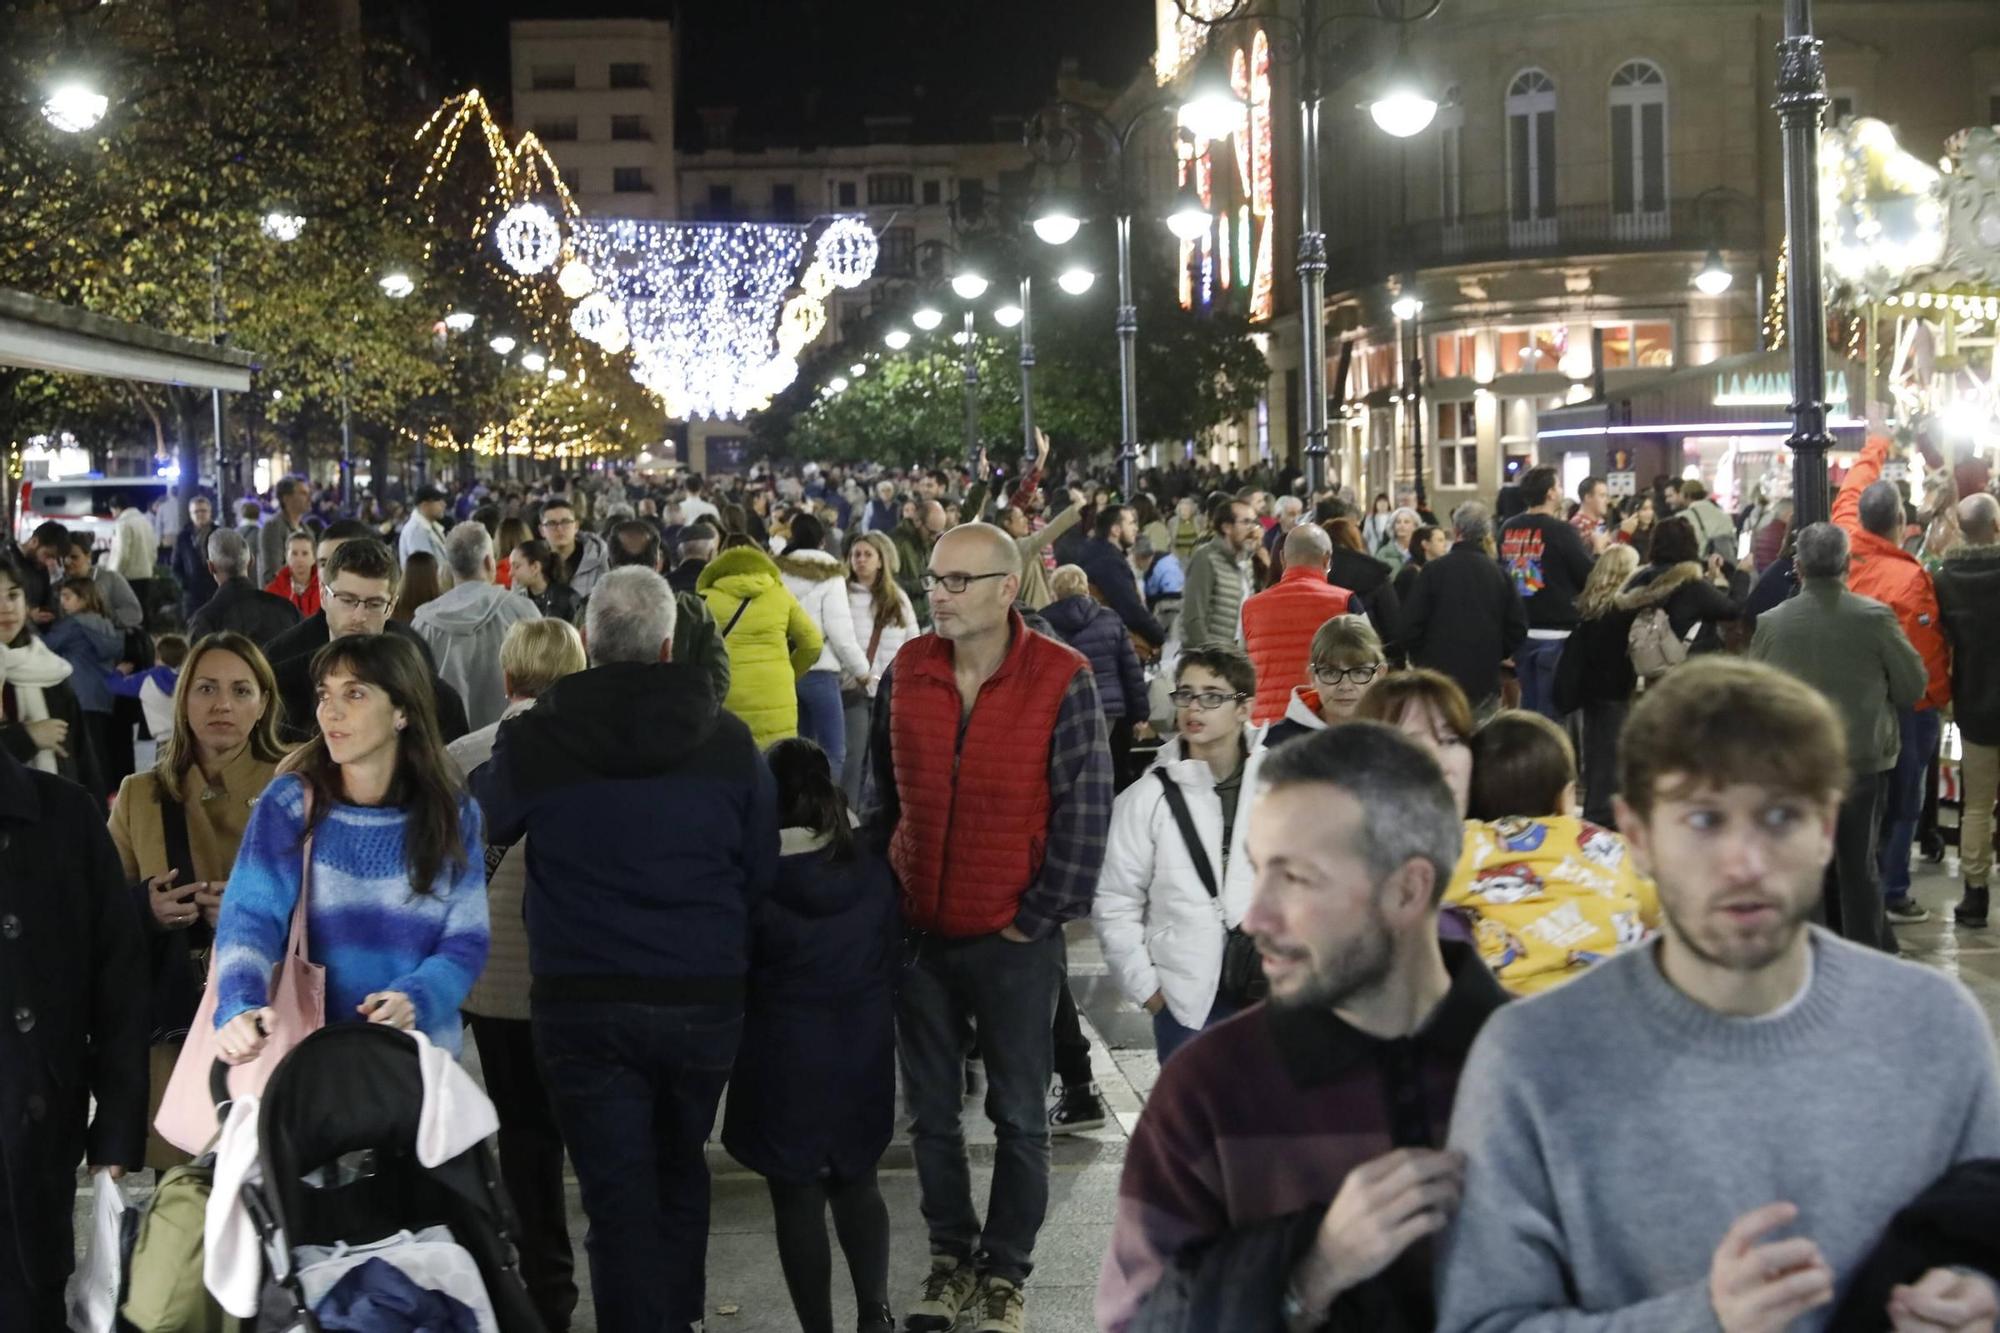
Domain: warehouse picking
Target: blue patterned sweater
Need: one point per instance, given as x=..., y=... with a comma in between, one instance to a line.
x=364, y=924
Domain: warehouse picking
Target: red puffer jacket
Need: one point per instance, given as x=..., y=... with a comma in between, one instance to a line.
x=1278, y=628
x=972, y=834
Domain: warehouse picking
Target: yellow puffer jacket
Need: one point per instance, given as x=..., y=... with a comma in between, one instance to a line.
x=1547, y=898
x=771, y=644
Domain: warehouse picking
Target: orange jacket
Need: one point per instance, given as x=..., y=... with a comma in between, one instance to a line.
x=1892, y=576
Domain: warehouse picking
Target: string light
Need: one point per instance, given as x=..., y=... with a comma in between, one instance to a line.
x=575, y=280
x=529, y=238
x=502, y=344
x=847, y=249
x=458, y=321
x=598, y=318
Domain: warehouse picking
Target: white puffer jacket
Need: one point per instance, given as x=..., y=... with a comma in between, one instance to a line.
x=861, y=610
x=1159, y=929
x=816, y=580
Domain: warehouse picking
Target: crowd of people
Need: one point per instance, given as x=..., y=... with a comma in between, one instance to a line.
x=789, y=785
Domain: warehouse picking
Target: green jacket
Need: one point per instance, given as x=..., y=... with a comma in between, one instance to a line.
x=1212, y=601
x=913, y=557
x=770, y=645
x=1851, y=650
x=698, y=641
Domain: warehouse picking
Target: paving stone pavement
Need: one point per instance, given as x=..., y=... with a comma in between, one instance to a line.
x=747, y=1294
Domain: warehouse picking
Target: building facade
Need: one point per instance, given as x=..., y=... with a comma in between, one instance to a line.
x=599, y=94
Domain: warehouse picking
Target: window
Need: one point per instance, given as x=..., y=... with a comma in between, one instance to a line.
x=933, y=192
x=629, y=127
x=971, y=198
x=1639, y=138
x=1454, y=355
x=843, y=194
x=1531, y=351
x=898, y=254
x=721, y=200
x=629, y=180
x=557, y=130
x=1374, y=368
x=784, y=202
x=1993, y=108
x=551, y=78
x=1531, y=146
x=1648, y=346
x=1457, y=443
x=1840, y=104
x=626, y=75
x=1451, y=156
x=890, y=189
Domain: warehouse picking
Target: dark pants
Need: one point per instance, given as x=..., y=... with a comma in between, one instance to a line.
x=1601, y=724
x=822, y=720
x=1853, y=893
x=860, y=1219
x=1903, y=802
x=531, y=1163
x=24, y=1304
x=1535, y=668
x=1122, y=775
x=1009, y=991
x=1072, y=1048
x=1169, y=1035
x=635, y=1088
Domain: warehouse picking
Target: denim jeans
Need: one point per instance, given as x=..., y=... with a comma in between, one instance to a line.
x=1535, y=667
x=1903, y=801
x=1852, y=895
x=635, y=1088
x=1008, y=991
x=822, y=720
x=1169, y=1035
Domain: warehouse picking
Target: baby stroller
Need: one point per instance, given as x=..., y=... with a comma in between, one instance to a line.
x=340, y=1171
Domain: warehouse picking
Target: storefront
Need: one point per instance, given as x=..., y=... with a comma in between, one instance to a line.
x=1725, y=423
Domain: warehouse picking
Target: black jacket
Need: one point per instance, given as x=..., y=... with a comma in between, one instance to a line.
x=291, y=655
x=1374, y=582
x=607, y=761
x=558, y=601
x=241, y=606
x=81, y=765
x=1112, y=577
x=73, y=1009
x=1096, y=632
x=684, y=576
x=1953, y=1224
x=1465, y=619
x=190, y=566
x=1968, y=593
x=1693, y=598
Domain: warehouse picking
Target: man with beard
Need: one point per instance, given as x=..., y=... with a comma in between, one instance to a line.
x=1690, y=1136
x=1289, y=1161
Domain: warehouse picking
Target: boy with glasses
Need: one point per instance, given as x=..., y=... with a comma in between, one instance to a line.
x=581, y=556
x=1343, y=662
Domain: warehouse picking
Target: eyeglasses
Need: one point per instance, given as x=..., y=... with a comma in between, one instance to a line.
x=956, y=583
x=1333, y=675
x=1206, y=700
x=558, y=522
x=374, y=606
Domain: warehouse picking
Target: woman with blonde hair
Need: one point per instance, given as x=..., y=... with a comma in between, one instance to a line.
x=1345, y=658
x=883, y=616
x=533, y=657
x=1594, y=676
x=178, y=827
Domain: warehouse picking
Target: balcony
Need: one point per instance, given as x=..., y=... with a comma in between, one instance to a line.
x=1582, y=229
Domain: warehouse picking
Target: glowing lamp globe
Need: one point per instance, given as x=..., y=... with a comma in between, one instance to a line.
x=1076, y=281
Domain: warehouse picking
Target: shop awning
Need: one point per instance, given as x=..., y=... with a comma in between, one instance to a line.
x=46, y=335
x=1738, y=395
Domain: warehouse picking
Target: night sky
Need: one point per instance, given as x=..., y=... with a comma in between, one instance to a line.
x=810, y=69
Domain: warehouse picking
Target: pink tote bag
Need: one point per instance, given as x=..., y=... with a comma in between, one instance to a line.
x=298, y=998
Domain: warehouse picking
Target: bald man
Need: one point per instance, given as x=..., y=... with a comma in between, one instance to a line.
x=1279, y=622
x=995, y=777
x=1968, y=593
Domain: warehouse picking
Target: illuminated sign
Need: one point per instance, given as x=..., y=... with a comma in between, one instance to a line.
x=1236, y=253
x=1772, y=390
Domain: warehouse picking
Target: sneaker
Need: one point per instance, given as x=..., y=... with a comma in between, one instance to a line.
x=945, y=1292
x=1971, y=909
x=1908, y=911
x=1077, y=1110
x=1000, y=1307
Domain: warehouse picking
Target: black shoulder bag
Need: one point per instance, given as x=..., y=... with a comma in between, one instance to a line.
x=1242, y=970
x=180, y=959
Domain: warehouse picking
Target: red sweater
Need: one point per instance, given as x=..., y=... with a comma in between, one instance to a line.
x=971, y=836
x=1278, y=628
x=307, y=602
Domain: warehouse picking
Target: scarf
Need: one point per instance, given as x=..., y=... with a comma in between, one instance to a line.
x=28, y=670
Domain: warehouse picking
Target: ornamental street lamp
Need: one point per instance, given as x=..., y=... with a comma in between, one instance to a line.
x=1801, y=106
x=74, y=104
x=1714, y=278
x=1400, y=108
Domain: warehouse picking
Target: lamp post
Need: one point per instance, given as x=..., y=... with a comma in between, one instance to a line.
x=346, y=441
x=1407, y=309
x=1400, y=109
x=1800, y=106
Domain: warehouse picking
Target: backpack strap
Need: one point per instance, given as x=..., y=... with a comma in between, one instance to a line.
x=173, y=826
x=1185, y=818
x=741, y=607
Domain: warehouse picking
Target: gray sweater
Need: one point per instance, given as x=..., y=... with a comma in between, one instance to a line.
x=1614, y=1129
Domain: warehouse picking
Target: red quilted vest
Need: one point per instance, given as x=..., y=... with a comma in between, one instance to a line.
x=1278, y=628
x=975, y=801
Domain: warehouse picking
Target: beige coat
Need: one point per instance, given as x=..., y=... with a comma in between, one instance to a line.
x=215, y=824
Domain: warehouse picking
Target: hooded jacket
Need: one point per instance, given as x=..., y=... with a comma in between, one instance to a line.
x=771, y=644
x=593, y=564
x=1095, y=631
x=1301, y=718
x=1968, y=593
x=1689, y=598
x=817, y=581
x=590, y=776
x=1278, y=628
x=465, y=628
x=1892, y=576
x=1373, y=584
x=91, y=645
x=1159, y=929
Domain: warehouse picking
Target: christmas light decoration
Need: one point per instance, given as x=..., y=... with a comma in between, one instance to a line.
x=534, y=362
x=282, y=226
x=817, y=283
x=575, y=280
x=529, y=238
x=598, y=318
x=801, y=321
x=847, y=249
